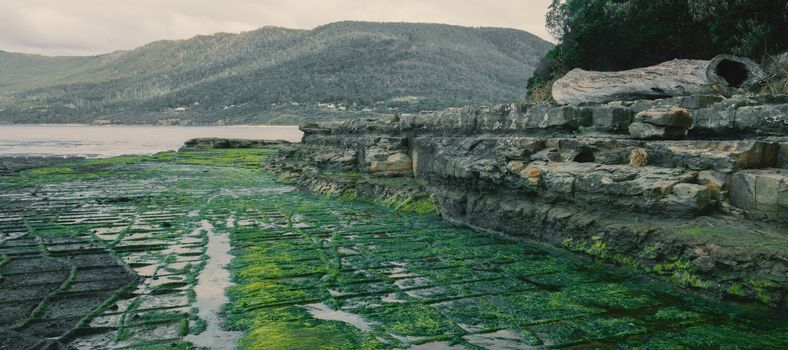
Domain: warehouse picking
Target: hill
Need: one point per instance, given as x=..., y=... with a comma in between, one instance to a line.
x=274, y=75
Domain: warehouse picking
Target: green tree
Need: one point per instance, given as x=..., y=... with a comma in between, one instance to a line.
x=623, y=34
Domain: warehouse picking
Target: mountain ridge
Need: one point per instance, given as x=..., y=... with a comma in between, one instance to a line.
x=274, y=75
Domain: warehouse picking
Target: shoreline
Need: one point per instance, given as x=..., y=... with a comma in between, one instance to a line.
x=153, y=125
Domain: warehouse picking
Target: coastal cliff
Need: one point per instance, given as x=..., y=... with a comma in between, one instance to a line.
x=693, y=189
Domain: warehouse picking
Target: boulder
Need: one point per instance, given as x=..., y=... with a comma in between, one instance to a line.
x=724, y=73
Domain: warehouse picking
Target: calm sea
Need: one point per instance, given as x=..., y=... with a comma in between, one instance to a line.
x=106, y=141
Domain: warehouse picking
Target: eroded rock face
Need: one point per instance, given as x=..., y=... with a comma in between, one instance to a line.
x=562, y=174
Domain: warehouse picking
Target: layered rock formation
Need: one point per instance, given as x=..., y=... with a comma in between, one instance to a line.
x=693, y=188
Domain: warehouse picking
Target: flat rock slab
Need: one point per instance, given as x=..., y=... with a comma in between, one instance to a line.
x=382, y=278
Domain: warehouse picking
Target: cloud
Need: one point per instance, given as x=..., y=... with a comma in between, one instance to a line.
x=88, y=27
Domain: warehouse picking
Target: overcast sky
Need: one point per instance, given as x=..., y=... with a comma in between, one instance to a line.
x=88, y=27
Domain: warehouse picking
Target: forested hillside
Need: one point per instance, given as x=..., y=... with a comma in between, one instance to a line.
x=274, y=75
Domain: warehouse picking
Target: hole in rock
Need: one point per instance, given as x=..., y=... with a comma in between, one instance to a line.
x=585, y=156
x=735, y=73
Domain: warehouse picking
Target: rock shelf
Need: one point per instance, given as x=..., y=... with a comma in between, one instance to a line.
x=110, y=254
x=697, y=183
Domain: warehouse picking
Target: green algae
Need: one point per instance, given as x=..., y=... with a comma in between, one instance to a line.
x=309, y=335
x=413, y=278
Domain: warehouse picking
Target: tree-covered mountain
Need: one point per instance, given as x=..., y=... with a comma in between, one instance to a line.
x=275, y=75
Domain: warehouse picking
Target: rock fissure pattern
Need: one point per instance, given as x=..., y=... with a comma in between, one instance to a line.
x=309, y=271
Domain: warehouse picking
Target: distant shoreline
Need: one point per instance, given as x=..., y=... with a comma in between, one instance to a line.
x=111, y=140
x=158, y=126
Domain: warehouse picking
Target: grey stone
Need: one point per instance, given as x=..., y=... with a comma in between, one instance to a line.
x=713, y=121
x=782, y=155
x=761, y=191
x=612, y=119
x=688, y=198
x=645, y=131
x=699, y=101
x=719, y=155
x=764, y=119
x=665, y=116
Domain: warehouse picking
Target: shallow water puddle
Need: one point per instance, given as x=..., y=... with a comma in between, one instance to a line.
x=322, y=311
x=210, y=291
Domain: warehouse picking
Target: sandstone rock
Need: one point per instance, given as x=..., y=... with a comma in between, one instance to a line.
x=761, y=191
x=688, y=198
x=672, y=78
x=532, y=173
x=610, y=118
x=782, y=156
x=548, y=155
x=741, y=115
x=766, y=119
x=645, y=131
x=717, y=182
x=397, y=163
x=551, y=172
x=698, y=101
x=515, y=166
x=719, y=155
x=713, y=121
x=661, y=123
x=665, y=116
x=642, y=189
